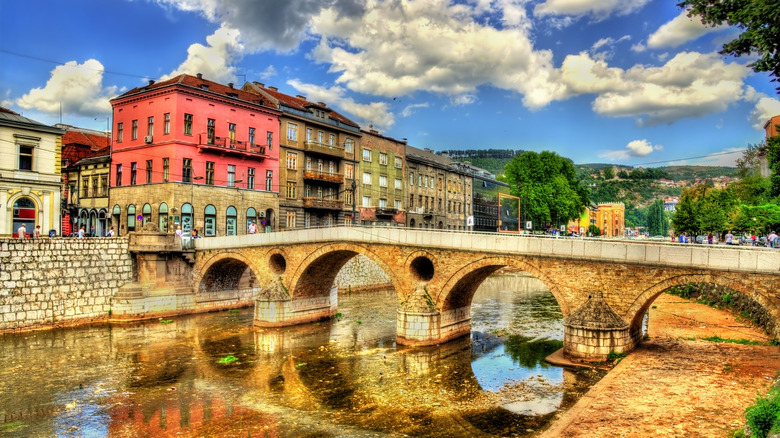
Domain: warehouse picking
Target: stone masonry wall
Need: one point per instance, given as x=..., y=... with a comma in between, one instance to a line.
x=359, y=274
x=51, y=282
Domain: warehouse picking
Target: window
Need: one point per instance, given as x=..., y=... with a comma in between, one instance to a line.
x=292, y=160
x=382, y=181
x=291, y=189
x=162, y=216
x=133, y=171
x=382, y=203
x=25, y=158
x=290, y=219
x=187, y=218
x=211, y=131
x=332, y=140
x=269, y=139
x=165, y=169
x=420, y=180
x=118, y=178
x=308, y=134
x=231, y=171
x=103, y=185
x=269, y=179
x=398, y=182
x=210, y=173
x=232, y=132
x=366, y=178
x=134, y=132
x=230, y=221
x=306, y=220
x=411, y=201
x=187, y=124
x=186, y=170
x=250, y=178
x=348, y=197
x=167, y=124
x=349, y=146
x=210, y=220
x=146, y=212
x=383, y=158
x=251, y=216
x=411, y=178
x=85, y=188
x=349, y=171
x=292, y=131
x=319, y=137
x=398, y=162
x=120, y=132
x=150, y=127
x=251, y=139
x=149, y=171
x=397, y=205
x=130, y=218
x=366, y=201
x=307, y=166
x=367, y=155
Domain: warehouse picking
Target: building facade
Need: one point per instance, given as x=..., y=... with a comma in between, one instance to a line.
x=86, y=164
x=382, y=187
x=610, y=218
x=30, y=179
x=191, y=153
x=318, y=163
x=439, y=191
x=485, y=190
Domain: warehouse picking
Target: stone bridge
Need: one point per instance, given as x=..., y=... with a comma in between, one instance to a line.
x=603, y=287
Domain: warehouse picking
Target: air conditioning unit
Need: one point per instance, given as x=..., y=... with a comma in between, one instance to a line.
x=148, y=139
x=261, y=214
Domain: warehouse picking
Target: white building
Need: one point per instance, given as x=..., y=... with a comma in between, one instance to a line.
x=30, y=180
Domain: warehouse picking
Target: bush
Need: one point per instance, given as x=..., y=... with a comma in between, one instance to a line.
x=762, y=418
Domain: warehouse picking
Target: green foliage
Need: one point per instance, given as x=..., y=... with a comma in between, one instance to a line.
x=165, y=321
x=608, y=173
x=702, y=209
x=531, y=352
x=548, y=187
x=657, y=223
x=732, y=341
x=227, y=359
x=762, y=418
x=594, y=230
x=757, y=21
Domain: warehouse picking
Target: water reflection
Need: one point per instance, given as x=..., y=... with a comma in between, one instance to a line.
x=338, y=378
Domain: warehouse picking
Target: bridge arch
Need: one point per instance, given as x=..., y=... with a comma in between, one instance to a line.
x=228, y=270
x=459, y=289
x=642, y=303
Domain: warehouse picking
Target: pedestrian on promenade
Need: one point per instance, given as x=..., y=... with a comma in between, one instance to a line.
x=21, y=232
x=252, y=228
x=110, y=232
x=709, y=238
x=82, y=231
x=37, y=232
x=195, y=234
x=729, y=238
x=178, y=231
x=771, y=240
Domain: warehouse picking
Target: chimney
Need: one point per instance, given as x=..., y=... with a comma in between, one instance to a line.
x=199, y=75
x=301, y=96
x=273, y=88
x=230, y=84
x=260, y=84
x=151, y=81
x=322, y=104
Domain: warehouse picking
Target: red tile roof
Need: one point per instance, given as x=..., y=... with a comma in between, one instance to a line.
x=301, y=104
x=200, y=84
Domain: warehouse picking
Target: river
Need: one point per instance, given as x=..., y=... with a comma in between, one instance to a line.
x=216, y=375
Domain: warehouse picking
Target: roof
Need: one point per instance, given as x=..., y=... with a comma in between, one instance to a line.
x=595, y=314
x=427, y=156
x=81, y=144
x=301, y=104
x=13, y=119
x=94, y=140
x=200, y=84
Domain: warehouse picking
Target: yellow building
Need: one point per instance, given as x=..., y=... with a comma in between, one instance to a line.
x=611, y=219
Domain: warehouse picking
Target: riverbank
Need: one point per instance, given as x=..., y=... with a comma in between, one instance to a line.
x=676, y=384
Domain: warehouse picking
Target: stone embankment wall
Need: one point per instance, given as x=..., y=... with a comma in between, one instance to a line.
x=361, y=274
x=51, y=282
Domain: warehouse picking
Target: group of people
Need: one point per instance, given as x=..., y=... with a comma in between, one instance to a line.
x=21, y=232
x=772, y=240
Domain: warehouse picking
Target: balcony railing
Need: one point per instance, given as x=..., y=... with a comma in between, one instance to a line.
x=324, y=148
x=322, y=203
x=386, y=211
x=224, y=145
x=323, y=176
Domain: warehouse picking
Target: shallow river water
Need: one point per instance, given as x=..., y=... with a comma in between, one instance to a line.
x=217, y=375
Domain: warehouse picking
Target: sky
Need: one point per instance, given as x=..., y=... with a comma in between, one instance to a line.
x=629, y=82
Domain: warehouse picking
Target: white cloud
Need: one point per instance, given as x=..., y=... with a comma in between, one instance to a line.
x=598, y=9
x=73, y=88
x=374, y=113
x=678, y=31
x=214, y=61
x=634, y=149
x=766, y=107
x=410, y=109
x=462, y=100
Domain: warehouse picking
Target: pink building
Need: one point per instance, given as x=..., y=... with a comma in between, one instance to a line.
x=192, y=153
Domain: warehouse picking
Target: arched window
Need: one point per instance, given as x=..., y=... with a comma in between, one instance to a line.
x=251, y=216
x=230, y=221
x=24, y=213
x=163, y=218
x=116, y=217
x=147, y=213
x=187, y=218
x=130, y=218
x=210, y=221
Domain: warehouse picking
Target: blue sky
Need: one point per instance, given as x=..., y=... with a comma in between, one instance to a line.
x=631, y=82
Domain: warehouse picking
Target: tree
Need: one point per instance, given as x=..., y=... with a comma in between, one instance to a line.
x=703, y=208
x=609, y=173
x=547, y=186
x=759, y=22
x=657, y=223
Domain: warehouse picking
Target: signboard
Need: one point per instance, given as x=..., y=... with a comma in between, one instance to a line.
x=470, y=221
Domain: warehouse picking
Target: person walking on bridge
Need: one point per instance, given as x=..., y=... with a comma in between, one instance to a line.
x=729, y=238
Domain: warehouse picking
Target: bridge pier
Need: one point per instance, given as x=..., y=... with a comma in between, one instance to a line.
x=275, y=307
x=594, y=330
x=420, y=322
